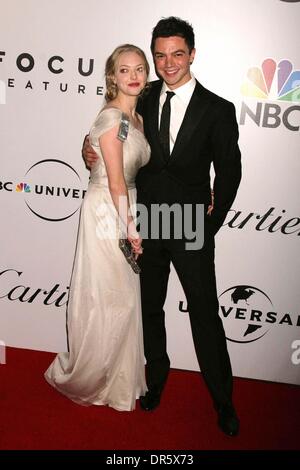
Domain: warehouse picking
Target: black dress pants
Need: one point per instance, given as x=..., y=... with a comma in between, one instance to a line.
x=196, y=272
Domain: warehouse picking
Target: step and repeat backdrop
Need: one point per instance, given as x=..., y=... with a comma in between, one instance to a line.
x=52, y=57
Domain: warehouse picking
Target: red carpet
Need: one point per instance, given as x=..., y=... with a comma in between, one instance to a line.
x=35, y=416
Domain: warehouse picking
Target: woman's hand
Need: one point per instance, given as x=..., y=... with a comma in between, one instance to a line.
x=136, y=244
x=134, y=239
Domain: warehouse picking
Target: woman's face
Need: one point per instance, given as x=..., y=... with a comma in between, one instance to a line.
x=130, y=74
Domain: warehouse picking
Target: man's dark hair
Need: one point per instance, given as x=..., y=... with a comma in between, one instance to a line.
x=173, y=26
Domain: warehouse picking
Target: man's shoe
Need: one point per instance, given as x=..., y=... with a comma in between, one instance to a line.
x=227, y=420
x=150, y=401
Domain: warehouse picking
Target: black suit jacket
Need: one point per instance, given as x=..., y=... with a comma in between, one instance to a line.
x=208, y=135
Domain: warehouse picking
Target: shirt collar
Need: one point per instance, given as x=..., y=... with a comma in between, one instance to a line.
x=184, y=92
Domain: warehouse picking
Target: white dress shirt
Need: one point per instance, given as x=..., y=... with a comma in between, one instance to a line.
x=179, y=104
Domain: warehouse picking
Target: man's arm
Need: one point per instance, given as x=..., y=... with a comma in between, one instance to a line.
x=88, y=153
x=227, y=163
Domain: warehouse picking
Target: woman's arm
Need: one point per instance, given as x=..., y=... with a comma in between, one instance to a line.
x=112, y=151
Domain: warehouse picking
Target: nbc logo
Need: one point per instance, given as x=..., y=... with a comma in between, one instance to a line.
x=23, y=188
x=272, y=82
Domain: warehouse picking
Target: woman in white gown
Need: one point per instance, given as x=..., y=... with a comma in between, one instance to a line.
x=105, y=362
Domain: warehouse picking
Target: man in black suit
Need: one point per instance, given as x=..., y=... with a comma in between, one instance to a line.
x=201, y=130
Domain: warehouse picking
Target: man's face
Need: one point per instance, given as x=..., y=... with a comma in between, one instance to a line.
x=172, y=60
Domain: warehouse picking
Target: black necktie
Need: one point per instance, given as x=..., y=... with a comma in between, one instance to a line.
x=164, y=130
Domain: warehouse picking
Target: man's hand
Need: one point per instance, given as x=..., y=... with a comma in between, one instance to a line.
x=211, y=206
x=88, y=153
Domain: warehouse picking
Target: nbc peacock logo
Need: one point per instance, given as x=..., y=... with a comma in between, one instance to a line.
x=272, y=81
x=23, y=188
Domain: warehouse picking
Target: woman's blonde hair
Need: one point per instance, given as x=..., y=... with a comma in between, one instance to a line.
x=110, y=69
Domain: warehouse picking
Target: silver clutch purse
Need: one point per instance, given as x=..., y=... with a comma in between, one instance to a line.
x=124, y=244
x=126, y=249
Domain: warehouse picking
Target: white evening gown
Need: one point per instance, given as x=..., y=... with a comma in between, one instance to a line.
x=105, y=362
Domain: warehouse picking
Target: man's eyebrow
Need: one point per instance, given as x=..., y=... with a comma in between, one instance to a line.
x=174, y=52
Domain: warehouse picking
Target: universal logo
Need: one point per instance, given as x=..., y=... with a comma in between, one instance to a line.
x=253, y=313
x=248, y=314
x=45, y=185
x=272, y=82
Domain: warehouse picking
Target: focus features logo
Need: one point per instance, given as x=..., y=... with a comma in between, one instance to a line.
x=22, y=72
x=51, y=190
x=248, y=314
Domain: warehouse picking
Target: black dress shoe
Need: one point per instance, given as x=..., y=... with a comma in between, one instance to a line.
x=150, y=401
x=227, y=420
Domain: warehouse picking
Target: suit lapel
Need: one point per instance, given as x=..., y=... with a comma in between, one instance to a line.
x=194, y=113
x=152, y=117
